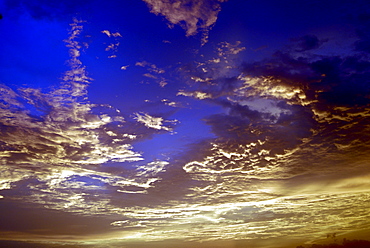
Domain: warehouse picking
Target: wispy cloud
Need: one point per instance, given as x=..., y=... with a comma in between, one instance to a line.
x=112, y=48
x=110, y=34
x=62, y=141
x=62, y=128
x=153, y=72
x=153, y=122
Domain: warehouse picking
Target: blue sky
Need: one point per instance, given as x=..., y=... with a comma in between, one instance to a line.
x=163, y=122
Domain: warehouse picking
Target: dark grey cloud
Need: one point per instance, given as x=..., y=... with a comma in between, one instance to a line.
x=40, y=9
x=331, y=80
x=345, y=81
x=307, y=42
x=362, y=22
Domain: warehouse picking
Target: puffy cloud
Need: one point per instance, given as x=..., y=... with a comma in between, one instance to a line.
x=195, y=14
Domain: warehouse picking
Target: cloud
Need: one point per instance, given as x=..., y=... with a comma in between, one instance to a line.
x=112, y=48
x=288, y=149
x=62, y=129
x=363, y=24
x=291, y=140
x=171, y=103
x=215, y=77
x=292, y=128
x=190, y=14
x=195, y=94
x=110, y=34
x=153, y=122
x=61, y=148
x=40, y=9
x=308, y=42
x=154, y=72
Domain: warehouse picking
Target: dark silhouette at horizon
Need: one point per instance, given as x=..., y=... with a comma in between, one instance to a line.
x=345, y=244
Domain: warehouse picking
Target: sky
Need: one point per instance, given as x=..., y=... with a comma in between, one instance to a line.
x=184, y=123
